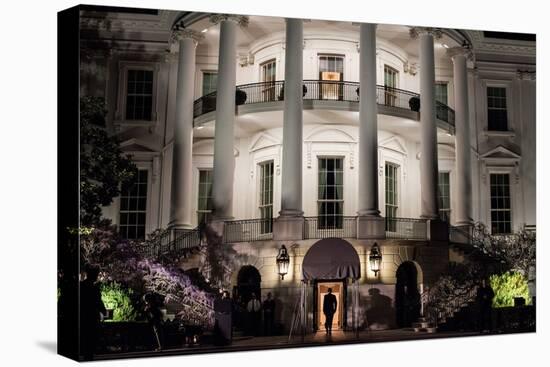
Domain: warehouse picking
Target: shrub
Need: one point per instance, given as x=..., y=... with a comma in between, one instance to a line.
x=119, y=299
x=507, y=286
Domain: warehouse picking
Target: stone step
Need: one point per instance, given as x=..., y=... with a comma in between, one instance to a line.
x=430, y=329
x=421, y=325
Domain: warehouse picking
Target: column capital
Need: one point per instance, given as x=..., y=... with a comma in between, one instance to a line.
x=241, y=20
x=416, y=32
x=359, y=24
x=460, y=51
x=180, y=34
x=526, y=74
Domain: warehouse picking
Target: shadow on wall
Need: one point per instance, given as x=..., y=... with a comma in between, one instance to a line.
x=379, y=313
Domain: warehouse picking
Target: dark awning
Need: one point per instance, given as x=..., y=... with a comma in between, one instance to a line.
x=331, y=258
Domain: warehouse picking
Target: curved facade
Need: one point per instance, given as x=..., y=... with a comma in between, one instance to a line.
x=290, y=131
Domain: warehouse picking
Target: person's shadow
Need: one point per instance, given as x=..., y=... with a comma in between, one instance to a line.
x=380, y=314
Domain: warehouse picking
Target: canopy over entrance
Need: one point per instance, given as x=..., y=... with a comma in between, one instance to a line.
x=331, y=258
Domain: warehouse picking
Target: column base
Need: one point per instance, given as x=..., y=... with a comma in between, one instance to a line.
x=288, y=228
x=371, y=227
x=179, y=225
x=438, y=231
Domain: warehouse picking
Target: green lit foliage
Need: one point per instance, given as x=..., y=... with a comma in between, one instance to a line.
x=507, y=286
x=118, y=299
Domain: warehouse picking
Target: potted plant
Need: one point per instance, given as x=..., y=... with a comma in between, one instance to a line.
x=414, y=104
x=240, y=97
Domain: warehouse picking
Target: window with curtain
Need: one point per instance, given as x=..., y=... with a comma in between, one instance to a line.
x=331, y=70
x=133, y=207
x=501, y=211
x=266, y=195
x=390, y=83
x=330, y=199
x=391, y=195
x=269, y=76
x=497, y=111
x=209, y=80
x=204, y=207
x=444, y=196
x=139, y=95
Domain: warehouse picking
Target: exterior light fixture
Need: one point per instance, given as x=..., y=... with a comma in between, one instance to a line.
x=283, y=260
x=200, y=127
x=375, y=258
x=445, y=45
x=204, y=30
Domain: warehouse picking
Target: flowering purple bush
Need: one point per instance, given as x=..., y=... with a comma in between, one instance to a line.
x=124, y=262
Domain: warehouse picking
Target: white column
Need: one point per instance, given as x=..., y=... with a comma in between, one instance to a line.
x=428, y=128
x=291, y=190
x=224, y=158
x=462, y=138
x=180, y=208
x=368, y=123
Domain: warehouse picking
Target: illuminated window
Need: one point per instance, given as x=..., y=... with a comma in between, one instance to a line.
x=330, y=197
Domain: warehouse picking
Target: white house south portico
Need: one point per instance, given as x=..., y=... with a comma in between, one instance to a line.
x=271, y=131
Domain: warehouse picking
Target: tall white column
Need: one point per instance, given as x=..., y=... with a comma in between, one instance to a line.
x=368, y=123
x=224, y=158
x=428, y=128
x=462, y=138
x=291, y=190
x=180, y=208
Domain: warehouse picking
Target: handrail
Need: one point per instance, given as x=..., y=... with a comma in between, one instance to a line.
x=325, y=227
x=248, y=230
x=323, y=90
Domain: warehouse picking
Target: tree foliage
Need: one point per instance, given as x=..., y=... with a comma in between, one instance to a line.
x=508, y=286
x=517, y=251
x=119, y=299
x=103, y=167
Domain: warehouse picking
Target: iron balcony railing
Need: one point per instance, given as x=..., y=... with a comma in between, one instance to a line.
x=174, y=241
x=406, y=228
x=322, y=90
x=333, y=226
x=248, y=230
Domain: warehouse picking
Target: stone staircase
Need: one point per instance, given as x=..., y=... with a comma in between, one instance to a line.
x=424, y=326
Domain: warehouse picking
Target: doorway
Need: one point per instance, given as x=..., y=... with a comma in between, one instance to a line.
x=338, y=290
x=407, y=296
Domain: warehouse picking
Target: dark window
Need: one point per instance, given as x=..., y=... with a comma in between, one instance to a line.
x=390, y=83
x=497, y=113
x=139, y=97
x=391, y=196
x=266, y=195
x=444, y=196
x=501, y=213
x=209, y=81
x=133, y=207
x=330, y=199
x=204, y=207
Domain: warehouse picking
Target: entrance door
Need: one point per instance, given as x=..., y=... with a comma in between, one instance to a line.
x=407, y=296
x=338, y=291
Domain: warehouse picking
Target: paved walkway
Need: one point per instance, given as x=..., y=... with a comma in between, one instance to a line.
x=275, y=342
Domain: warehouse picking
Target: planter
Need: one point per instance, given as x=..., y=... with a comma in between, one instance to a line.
x=414, y=104
x=240, y=97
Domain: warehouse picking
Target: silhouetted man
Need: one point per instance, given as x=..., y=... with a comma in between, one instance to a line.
x=91, y=306
x=269, y=314
x=254, y=308
x=484, y=299
x=329, y=308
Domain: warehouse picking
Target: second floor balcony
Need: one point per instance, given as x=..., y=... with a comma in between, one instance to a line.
x=323, y=95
